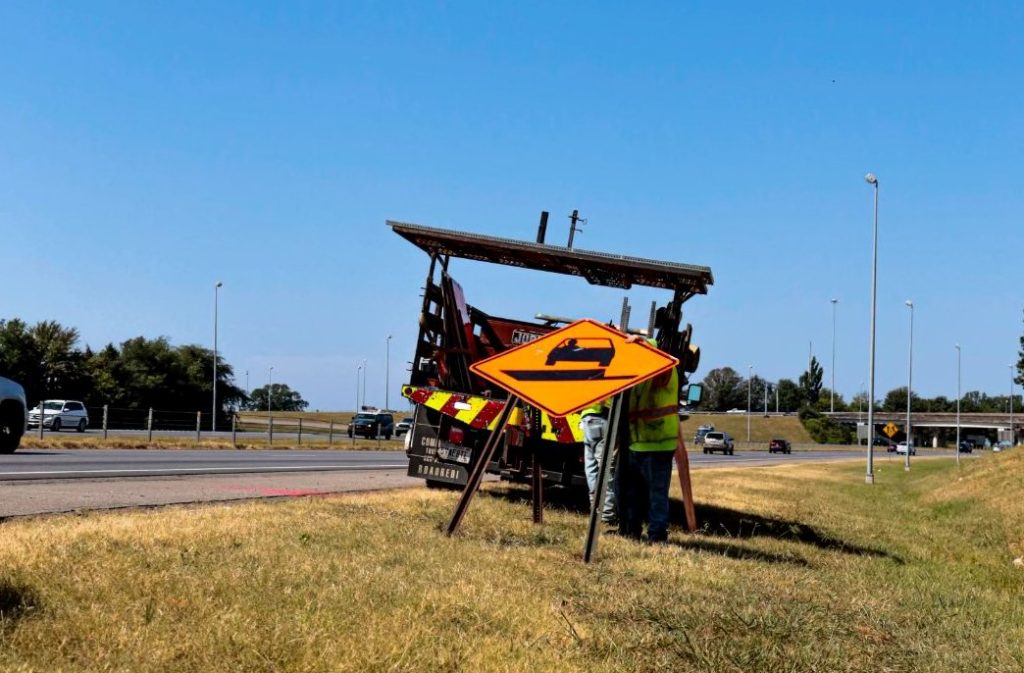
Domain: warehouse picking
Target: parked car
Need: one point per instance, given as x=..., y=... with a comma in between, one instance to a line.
x=719, y=441
x=372, y=424
x=13, y=415
x=403, y=426
x=901, y=449
x=701, y=432
x=966, y=446
x=1002, y=445
x=779, y=446
x=58, y=415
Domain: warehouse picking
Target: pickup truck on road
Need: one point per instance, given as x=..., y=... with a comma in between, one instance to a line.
x=13, y=415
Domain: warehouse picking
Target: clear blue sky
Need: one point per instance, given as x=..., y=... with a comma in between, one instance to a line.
x=147, y=152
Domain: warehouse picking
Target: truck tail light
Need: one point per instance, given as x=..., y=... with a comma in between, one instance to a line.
x=456, y=435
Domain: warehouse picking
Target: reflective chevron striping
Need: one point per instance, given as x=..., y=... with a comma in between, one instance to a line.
x=481, y=412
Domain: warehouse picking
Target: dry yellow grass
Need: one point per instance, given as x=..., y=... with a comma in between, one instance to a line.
x=798, y=568
x=762, y=428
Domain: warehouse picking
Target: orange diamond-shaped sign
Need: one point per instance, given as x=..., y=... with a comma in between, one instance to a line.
x=574, y=367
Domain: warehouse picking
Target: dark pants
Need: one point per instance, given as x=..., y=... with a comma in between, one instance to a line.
x=642, y=482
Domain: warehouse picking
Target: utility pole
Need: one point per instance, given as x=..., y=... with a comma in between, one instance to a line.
x=574, y=219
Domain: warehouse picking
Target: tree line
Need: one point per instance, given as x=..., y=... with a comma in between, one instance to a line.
x=725, y=389
x=140, y=373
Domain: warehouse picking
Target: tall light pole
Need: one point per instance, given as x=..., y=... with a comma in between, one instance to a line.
x=387, y=371
x=1013, y=435
x=364, y=383
x=358, y=369
x=247, y=383
x=750, y=380
x=870, y=476
x=213, y=419
x=957, y=404
x=832, y=392
x=270, y=389
x=910, y=381
x=860, y=407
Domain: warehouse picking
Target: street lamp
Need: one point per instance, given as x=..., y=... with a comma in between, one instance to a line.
x=247, y=383
x=832, y=392
x=750, y=381
x=270, y=388
x=358, y=369
x=213, y=421
x=364, y=383
x=1013, y=434
x=387, y=371
x=957, y=404
x=870, y=476
x=910, y=378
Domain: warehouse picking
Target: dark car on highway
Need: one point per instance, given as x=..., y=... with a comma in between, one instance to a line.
x=779, y=446
x=372, y=425
x=966, y=446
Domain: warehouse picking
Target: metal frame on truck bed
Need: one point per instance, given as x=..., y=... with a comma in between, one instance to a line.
x=455, y=409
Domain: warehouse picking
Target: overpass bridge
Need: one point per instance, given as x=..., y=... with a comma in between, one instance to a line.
x=935, y=421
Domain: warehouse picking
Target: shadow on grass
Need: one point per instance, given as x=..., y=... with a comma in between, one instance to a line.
x=16, y=602
x=691, y=543
x=713, y=521
x=717, y=521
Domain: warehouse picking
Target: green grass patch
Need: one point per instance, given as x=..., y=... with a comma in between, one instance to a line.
x=797, y=568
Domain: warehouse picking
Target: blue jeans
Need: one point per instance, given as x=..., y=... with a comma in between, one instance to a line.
x=644, y=479
x=593, y=428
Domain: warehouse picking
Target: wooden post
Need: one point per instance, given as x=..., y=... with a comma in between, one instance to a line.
x=683, y=467
x=490, y=446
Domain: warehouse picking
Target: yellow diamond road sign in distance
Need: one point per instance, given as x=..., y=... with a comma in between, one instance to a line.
x=574, y=367
x=890, y=429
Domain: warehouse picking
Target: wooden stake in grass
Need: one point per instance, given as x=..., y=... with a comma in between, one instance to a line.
x=683, y=467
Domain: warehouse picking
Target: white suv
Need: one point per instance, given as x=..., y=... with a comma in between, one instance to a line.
x=60, y=414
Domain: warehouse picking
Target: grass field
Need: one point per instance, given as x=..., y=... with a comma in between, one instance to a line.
x=796, y=569
x=188, y=440
x=762, y=428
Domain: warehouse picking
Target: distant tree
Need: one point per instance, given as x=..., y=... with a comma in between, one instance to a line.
x=824, y=402
x=722, y=390
x=896, y=400
x=1019, y=379
x=282, y=398
x=810, y=381
x=859, y=402
x=791, y=396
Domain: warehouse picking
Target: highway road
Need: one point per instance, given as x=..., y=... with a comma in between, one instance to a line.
x=36, y=481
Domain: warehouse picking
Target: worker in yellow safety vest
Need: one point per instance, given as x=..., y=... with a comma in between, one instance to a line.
x=647, y=448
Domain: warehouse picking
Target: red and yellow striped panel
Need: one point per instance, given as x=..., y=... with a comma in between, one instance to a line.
x=481, y=412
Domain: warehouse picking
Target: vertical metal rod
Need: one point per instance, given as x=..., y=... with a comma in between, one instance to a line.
x=300, y=432
x=149, y=425
x=213, y=418
x=477, y=474
x=590, y=547
x=270, y=431
x=234, y=430
x=199, y=419
x=958, y=404
x=537, y=489
x=387, y=372
x=542, y=228
x=910, y=389
x=869, y=477
x=832, y=392
x=104, y=421
x=572, y=229
x=1013, y=435
x=330, y=433
x=750, y=377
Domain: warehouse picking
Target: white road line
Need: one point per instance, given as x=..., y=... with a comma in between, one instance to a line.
x=268, y=468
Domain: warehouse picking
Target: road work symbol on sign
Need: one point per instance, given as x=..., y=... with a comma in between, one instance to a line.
x=890, y=429
x=573, y=367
